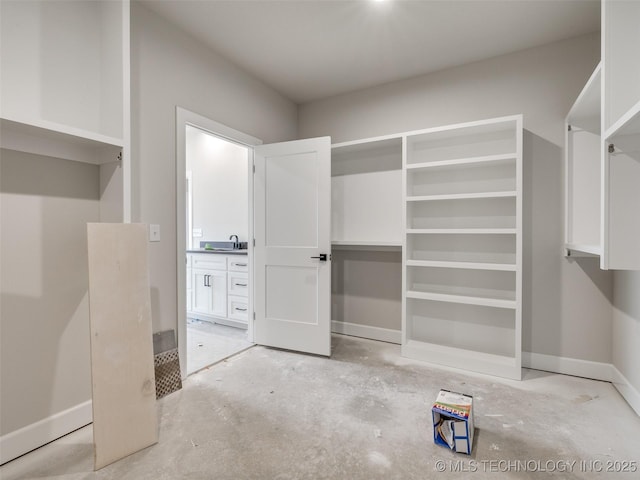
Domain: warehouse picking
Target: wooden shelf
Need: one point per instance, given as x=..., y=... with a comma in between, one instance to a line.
x=502, y=267
x=461, y=196
x=628, y=124
x=463, y=211
x=585, y=113
x=375, y=144
x=369, y=245
x=591, y=250
x=462, y=162
x=462, y=231
x=52, y=139
x=468, y=300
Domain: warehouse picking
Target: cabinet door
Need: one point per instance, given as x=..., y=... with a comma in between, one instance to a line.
x=218, y=293
x=201, y=292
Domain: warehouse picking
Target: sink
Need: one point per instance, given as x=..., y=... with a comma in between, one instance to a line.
x=213, y=246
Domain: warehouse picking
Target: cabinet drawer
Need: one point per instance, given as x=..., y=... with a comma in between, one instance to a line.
x=209, y=261
x=238, y=284
x=240, y=264
x=238, y=308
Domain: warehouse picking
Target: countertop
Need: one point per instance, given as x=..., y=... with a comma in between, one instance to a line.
x=220, y=252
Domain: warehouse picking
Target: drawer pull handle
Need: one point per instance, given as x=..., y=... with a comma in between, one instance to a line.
x=241, y=309
x=240, y=264
x=241, y=284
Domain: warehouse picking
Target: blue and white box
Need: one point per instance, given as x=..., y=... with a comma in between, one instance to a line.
x=452, y=415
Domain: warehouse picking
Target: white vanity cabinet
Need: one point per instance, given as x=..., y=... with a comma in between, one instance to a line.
x=219, y=288
x=238, y=289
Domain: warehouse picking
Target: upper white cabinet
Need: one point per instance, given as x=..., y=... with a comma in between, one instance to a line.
x=621, y=63
x=463, y=258
x=366, y=192
x=621, y=135
x=582, y=170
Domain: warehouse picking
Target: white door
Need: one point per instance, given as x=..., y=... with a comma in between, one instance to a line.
x=292, y=254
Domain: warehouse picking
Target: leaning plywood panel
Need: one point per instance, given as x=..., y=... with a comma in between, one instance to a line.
x=124, y=398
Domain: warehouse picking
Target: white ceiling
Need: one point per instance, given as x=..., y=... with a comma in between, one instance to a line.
x=311, y=49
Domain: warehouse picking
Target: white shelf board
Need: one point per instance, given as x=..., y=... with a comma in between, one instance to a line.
x=492, y=364
x=628, y=124
x=458, y=129
x=594, y=250
x=372, y=246
x=367, y=144
x=461, y=196
x=463, y=231
x=502, y=267
x=52, y=139
x=465, y=299
x=367, y=243
x=462, y=162
x=585, y=113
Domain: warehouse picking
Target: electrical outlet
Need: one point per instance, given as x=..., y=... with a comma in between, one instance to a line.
x=197, y=232
x=154, y=233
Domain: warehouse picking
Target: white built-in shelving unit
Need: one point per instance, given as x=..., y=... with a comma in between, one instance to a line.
x=366, y=233
x=602, y=155
x=620, y=228
x=65, y=86
x=582, y=171
x=65, y=89
x=366, y=193
x=462, y=256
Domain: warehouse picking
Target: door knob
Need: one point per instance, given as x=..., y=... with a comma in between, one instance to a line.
x=322, y=257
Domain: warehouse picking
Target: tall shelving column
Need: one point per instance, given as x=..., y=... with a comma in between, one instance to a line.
x=620, y=149
x=462, y=261
x=65, y=132
x=366, y=234
x=582, y=171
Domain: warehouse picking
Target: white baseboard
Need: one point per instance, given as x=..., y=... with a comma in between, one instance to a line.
x=366, y=331
x=569, y=366
x=28, y=438
x=628, y=391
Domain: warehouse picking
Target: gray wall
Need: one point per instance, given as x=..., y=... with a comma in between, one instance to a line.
x=169, y=69
x=567, y=304
x=219, y=187
x=44, y=315
x=626, y=327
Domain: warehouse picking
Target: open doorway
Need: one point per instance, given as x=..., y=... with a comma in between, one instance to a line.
x=217, y=256
x=214, y=221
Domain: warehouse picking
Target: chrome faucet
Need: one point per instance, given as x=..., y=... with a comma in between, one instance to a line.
x=236, y=244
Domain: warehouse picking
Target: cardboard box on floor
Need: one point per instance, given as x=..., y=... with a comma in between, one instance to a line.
x=453, y=421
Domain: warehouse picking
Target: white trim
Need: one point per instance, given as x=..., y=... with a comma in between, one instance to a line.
x=569, y=366
x=28, y=438
x=366, y=331
x=183, y=118
x=626, y=389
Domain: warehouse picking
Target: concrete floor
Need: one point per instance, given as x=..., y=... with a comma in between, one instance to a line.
x=208, y=343
x=363, y=414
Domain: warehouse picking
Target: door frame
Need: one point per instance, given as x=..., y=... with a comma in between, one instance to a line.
x=186, y=117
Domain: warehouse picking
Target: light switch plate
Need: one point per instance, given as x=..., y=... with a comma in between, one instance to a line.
x=197, y=232
x=154, y=233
